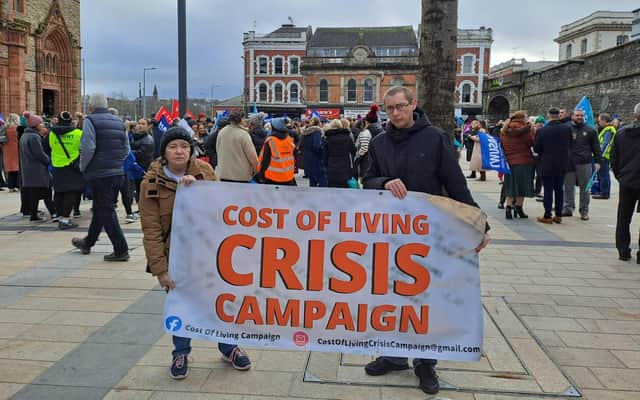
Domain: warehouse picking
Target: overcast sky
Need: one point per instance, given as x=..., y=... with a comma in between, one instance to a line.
x=121, y=37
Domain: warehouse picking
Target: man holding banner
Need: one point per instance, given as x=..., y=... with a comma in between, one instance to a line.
x=413, y=155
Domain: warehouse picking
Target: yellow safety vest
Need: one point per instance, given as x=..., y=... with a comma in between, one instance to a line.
x=71, y=142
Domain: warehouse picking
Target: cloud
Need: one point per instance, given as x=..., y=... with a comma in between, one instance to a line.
x=120, y=38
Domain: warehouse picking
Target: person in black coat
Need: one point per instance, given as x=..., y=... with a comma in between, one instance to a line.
x=142, y=148
x=210, y=143
x=553, y=146
x=413, y=155
x=625, y=163
x=339, y=152
x=312, y=159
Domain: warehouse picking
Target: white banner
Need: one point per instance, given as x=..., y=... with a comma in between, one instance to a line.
x=338, y=270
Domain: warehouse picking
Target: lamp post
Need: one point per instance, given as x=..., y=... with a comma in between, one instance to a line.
x=144, y=90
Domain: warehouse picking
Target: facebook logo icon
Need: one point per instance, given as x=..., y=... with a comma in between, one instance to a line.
x=173, y=323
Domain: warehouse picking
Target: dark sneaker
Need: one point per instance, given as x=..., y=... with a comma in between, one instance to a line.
x=179, y=367
x=567, y=213
x=76, y=214
x=428, y=378
x=67, y=225
x=80, y=244
x=584, y=216
x=381, y=366
x=238, y=359
x=117, y=257
x=55, y=218
x=600, y=196
x=36, y=219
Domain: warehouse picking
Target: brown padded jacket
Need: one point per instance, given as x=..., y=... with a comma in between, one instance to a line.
x=157, y=194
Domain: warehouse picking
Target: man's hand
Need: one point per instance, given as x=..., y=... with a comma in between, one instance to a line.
x=188, y=179
x=597, y=167
x=165, y=281
x=485, y=242
x=397, y=188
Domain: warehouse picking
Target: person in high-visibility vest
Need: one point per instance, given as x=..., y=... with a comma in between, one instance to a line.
x=606, y=137
x=276, y=162
x=68, y=182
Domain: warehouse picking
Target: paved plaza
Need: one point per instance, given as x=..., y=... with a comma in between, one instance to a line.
x=562, y=321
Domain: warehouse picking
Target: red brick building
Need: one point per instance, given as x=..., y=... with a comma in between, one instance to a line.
x=40, y=56
x=342, y=71
x=273, y=78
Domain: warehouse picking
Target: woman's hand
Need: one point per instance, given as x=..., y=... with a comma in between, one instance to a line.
x=485, y=242
x=188, y=179
x=165, y=281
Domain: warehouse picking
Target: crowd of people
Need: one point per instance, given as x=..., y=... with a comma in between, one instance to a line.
x=101, y=156
x=551, y=155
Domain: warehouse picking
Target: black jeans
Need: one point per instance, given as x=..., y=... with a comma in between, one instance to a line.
x=65, y=201
x=13, y=180
x=126, y=191
x=105, y=196
x=553, y=187
x=626, y=207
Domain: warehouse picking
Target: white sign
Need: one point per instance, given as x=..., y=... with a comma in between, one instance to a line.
x=339, y=270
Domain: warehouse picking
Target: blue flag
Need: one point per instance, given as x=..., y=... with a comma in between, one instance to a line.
x=255, y=108
x=585, y=106
x=163, y=124
x=493, y=157
x=459, y=121
x=315, y=114
x=2, y=118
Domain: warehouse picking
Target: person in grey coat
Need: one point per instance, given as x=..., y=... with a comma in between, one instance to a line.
x=104, y=147
x=34, y=164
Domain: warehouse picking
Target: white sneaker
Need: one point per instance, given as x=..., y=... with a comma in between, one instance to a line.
x=129, y=219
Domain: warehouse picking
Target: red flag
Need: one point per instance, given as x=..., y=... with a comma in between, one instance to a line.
x=190, y=114
x=175, y=109
x=163, y=112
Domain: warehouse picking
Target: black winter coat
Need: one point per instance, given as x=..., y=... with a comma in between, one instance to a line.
x=258, y=136
x=553, y=146
x=585, y=146
x=34, y=162
x=339, y=152
x=421, y=156
x=143, y=148
x=210, y=147
x=625, y=158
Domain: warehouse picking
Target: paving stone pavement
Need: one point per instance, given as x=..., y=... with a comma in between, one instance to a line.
x=562, y=321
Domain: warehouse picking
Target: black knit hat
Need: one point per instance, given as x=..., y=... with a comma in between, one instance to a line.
x=65, y=118
x=172, y=134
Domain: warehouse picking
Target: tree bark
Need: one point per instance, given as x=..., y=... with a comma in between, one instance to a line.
x=438, y=45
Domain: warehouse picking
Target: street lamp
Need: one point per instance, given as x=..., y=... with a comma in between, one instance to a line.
x=144, y=90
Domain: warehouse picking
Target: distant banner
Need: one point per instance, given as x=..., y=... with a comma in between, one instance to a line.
x=336, y=270
x=493, y=157
x=326, y=113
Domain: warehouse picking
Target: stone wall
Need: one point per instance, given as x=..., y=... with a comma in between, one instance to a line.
x=610, y=79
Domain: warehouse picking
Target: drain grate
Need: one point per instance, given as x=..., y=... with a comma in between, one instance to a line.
x=512, y=363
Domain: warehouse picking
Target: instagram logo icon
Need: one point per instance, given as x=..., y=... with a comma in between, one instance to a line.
x=300, y=338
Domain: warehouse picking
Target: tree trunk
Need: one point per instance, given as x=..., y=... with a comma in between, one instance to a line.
x=438, y=44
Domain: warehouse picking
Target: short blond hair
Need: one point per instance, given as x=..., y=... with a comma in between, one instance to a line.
x=399, y=89
x=335, y=124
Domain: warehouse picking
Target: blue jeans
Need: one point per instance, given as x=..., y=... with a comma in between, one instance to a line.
x=416, y=361
x=604, y=178
x=105, y=195
x=182, y=346
x=553, y=187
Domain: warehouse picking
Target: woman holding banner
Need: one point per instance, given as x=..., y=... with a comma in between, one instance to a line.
x=517, y=140
x=158, y=191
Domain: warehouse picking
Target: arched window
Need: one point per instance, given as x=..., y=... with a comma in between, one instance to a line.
x=351, y=90
x=278, y=66
x=466, y=93
x=569, y=50
x=368, y=91
x=262, y=92
x=47, y=67
x=54, y=65
x=324, y=91
x=294, y=93
x=263, y=65
x=277, y=93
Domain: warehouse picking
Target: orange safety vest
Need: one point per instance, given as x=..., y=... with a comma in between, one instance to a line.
x=282, y=162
